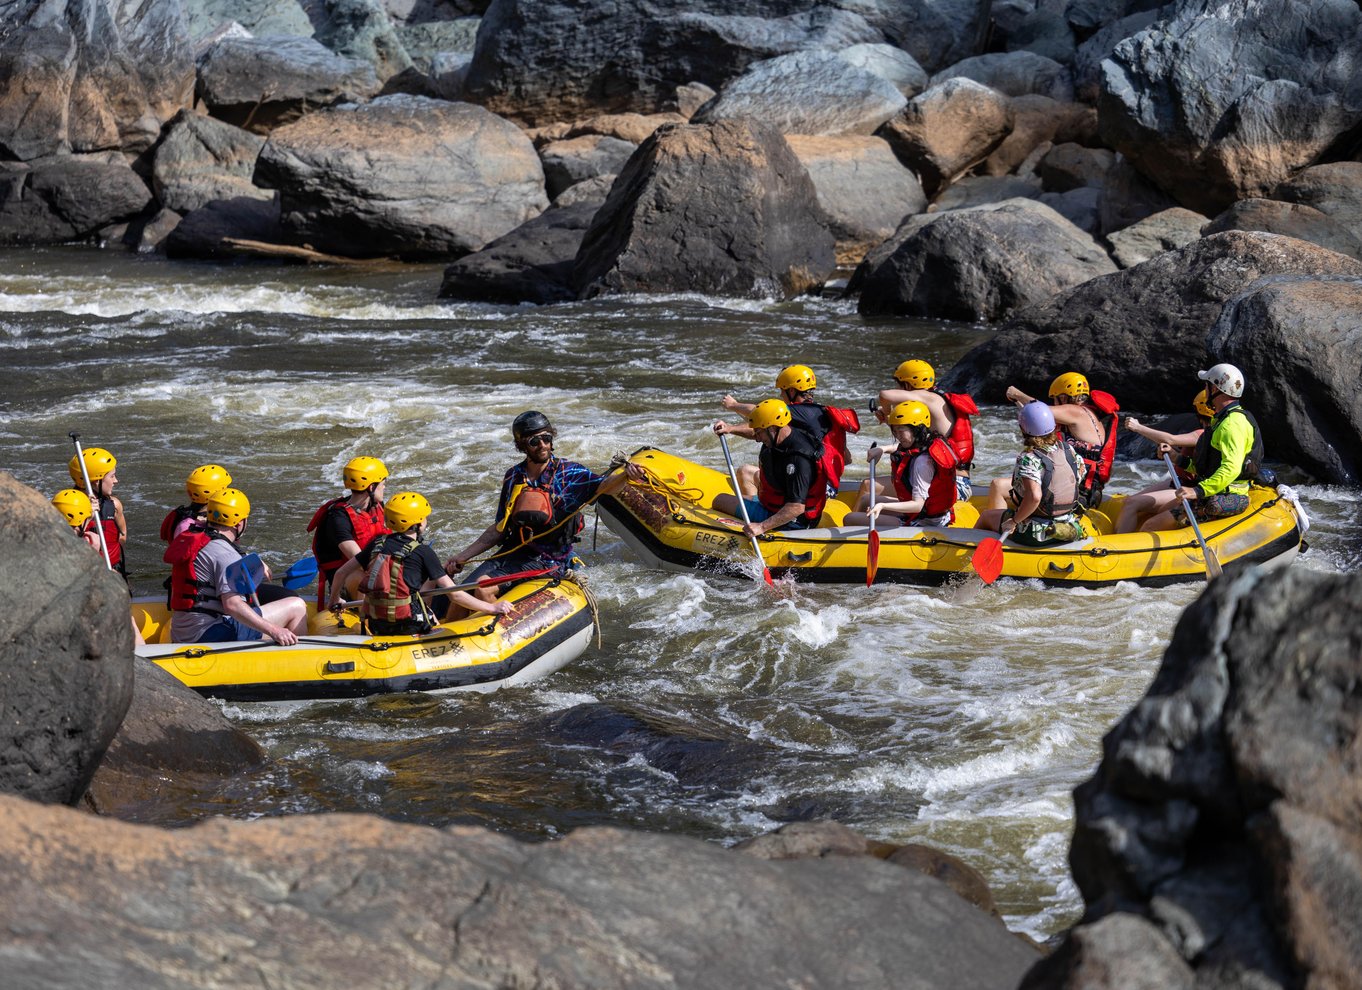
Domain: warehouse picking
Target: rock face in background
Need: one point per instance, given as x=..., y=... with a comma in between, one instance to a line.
x=65, y=653
x=64, y=198
x=1140, y=333
x=173, y=749
x=1014, y=74
x=1226, y=98
x=200, y=233
x=1298, y=340
x=1165, y=231
x=980, y=264
x=1335, y=189
x=948, y=129
x=722, y=208
x=1290, y=220
x=202, y=159
x=350, y=900
x=85, y=75
x=402, y=175
x=577, y=159
x=257, y=17
x=1221, y=830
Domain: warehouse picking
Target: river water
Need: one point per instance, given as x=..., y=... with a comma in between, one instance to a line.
x=714, y=708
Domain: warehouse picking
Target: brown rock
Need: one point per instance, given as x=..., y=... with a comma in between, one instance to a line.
x=632, y=127
x=1290, y=220
x=953, y=871
x=948, y=129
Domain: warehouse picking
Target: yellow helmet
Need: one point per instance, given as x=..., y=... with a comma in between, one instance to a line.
x=206, y=481
x=98, y=463
x=228, y=507
x=1202, y=406
x=769, y=413
x=74, y=505
x=910, y=413
x=918, y=374
x=1070, y=383
x=362, y=472
x=404, y=510
x=799, y=377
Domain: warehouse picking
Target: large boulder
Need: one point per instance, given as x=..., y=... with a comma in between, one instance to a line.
x=67, y=198
x=1226, y=98
x=1014, y=74
x=577, y=159
x=1290, y=220
x=1334, y=189
x=202, y=159
x=402, y=175
x=816, y=93
x=1037, y=122
x=1142, y=330
x=862, y=187
x=351, y=900
x=203, y=233
x=720, y=208
x=173, y=751
x=80, y=76
x=262, y=83
x=360, y=29
x=65, y=653
x=256, y=17
x=531, y=264
x=889, y=63
x=1298, y=340
x=1166, y=230
x=1089, y=56
x=1226, y=809
x=981, y=264
x=948, y=129
x=540, y=61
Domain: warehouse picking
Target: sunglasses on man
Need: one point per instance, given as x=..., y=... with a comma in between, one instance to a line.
x=540, y=440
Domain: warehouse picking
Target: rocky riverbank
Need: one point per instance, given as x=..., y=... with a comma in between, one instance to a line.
x=1024, y=161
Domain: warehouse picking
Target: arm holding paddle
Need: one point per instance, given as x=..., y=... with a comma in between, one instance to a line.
x=1030, y=503
x=353, y=566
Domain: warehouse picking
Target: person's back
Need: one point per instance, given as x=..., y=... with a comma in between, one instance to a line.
x=202, y=484
x=343, y=526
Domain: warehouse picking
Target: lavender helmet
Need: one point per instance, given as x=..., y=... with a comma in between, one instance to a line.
x=1036, y=419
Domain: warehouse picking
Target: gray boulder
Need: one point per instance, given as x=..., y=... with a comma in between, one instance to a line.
x=402, y=175
x=531, y=264
x=1225, y=810
x=983, y=190
x=65, y=654
x=202, y=159
x=720, y=208
x=1014, y=74
x=1226, y=98
x=1167, y=230
x=256, y=17
x=353, y=900
x=1290, y=220
x=937, y=33
x=262, y=83
x=817, y=93
x=1072, y=166
x=1082, y=207
x=981, y=264
x=67, y=198
x=360, y=29
x=1334, y=189
x=541, y=61
x=80, y=76
x=946, y=130
x=202, y=232
x=574, y=160
x=424, y=41
x=1087, y=17
x=1088, y=58
x=1142, y=329
x=889, y=63
x=173, y=752
x=862, y=188
x=1045, y=33
x=1298, y=340
x=1130, y=197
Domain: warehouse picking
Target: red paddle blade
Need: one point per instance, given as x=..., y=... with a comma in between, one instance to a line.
x=766, y=575
x=987, y=559
x=872, y=558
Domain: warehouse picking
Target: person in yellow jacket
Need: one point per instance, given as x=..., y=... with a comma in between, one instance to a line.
x=1226, y=457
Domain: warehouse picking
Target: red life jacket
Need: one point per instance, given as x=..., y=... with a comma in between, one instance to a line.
x=940, y=499
x=1098, y=458
x=366, y=525
x=176, y=516
x=109, y=524
x=387, y=596
x=772, y=499
x=187, y=590
x=835, y=453
x=961, y=436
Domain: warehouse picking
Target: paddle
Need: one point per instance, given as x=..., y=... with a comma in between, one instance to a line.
x=299, y=574
x=742, y=507
x=94, y=502
x=987, y=559
x=872, y=553
x=485, y=582
x=1212, y=562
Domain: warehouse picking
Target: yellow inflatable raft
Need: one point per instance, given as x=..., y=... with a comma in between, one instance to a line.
x=551, y=623
x=666, y=522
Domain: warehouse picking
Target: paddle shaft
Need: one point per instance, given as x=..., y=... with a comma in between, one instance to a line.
x=1212, y=562
x=94, y=502
x=742, y=507
x=872, y=554
x=485, y=582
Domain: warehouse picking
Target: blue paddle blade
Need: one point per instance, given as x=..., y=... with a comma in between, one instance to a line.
x=246, y=575
x=300, y=574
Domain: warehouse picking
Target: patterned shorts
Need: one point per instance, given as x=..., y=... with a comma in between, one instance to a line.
x=1215, y=507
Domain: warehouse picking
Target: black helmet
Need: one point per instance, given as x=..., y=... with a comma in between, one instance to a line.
x=530, y=423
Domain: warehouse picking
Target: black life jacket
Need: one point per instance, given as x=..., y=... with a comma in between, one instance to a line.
x=188, y=591
x=1206, y=459
x=941, y=494
x=390, y=605
x=774, y=461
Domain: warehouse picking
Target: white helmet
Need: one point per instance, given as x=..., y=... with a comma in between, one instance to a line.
x=1226, y=378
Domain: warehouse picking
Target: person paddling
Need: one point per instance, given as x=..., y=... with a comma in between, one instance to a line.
x=791, y=487
x=343, y=526
x=1040, y=505
x=922, y=471
x=394, y=569
x=212, y=597
x=951, y=412
x=202, y=484
x=1087, y=419
x=100, y=465
x=1158, y=497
